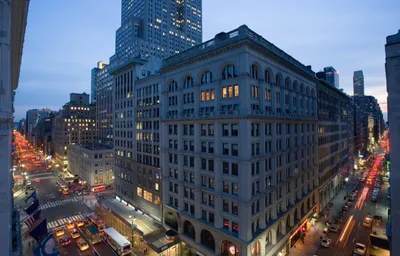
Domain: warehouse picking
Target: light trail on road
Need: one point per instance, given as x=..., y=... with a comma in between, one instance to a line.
x=361, y=199
x=346, y=226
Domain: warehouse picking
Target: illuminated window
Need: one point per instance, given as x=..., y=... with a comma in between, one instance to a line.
x=156, y=186
x=148, y=196
x=157, y=200
x=139, y=192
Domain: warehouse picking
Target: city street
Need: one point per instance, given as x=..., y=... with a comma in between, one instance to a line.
x=56, y=207
x=351, y=230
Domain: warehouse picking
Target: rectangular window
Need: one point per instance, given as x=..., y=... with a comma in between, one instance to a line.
x=225, y=167
x=139, y=192
x=235, y=169
x=235, y=188
x=210, y=130
x=267, y=94
x=211, y=165
x=224, y=92
x=225, y=130
x=225, y=205
x=225, y=186
x=235, y=227
x=235, y=150
x=225, y=148
x=234, y=130
x=203, y=129
x=210, y=147
x=235, y=208
x=236, y=90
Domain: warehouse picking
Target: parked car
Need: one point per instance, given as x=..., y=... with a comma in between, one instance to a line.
x=325, y=242
x=334, y=228
x=349, y=204
x=360, y=249
x=345, y=208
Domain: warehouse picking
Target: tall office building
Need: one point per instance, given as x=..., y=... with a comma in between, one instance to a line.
x=358, y=83
x=335, y=140
x=330, y=75
x=74, y=124
x=33, y=116
x=371, y=119
x=392, y=49
x=13, y=16
x=148, y=29
x=102, y=87
x=97, y=74
x=238, y=139
x=157, y=28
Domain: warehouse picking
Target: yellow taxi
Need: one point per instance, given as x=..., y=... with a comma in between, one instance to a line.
x=60, y=232
x=367, y=221
x=74, y=233
x=65, y=192
x=82, y=245
x=60, y=189
x=80, y=223
x=70, y=225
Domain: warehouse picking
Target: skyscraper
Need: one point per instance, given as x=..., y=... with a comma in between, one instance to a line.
x=392, y=49
x=157, y=28
x=330, y=75
x=358, y=83
x=102, y=87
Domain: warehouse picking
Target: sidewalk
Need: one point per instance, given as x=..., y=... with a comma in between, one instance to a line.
x=313, y=235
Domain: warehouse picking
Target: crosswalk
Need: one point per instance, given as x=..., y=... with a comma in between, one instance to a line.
x=58, y=203
x=60, y=222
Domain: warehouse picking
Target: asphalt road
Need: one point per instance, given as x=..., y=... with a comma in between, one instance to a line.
x=55, y=205
x=343, y=242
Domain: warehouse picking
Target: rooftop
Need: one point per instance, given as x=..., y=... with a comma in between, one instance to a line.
x=142, y=223
x=223, y=39
x=393, y=39
x=96, y=146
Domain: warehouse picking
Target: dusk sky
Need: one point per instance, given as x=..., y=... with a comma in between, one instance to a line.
x=66, y=38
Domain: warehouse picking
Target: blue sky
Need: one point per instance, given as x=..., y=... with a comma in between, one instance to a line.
x=65, y=39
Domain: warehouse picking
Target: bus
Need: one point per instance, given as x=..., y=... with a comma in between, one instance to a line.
x=118, y=242
x=93, y=234
x=97, y=222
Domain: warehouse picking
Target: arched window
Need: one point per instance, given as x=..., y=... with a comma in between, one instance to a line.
x=287, y=83
x=207, y=239
x=307, y=91
x=313, y=93
x=188, y=230
x=170, y=220
x=173, y=86
x=295, y=86
x=254, y=71
x=295, y=215
x=229, y=72
x=188, y=82
x=206, y=78
x=278, y=80
x=301, y=88
x=268, y=238
x=267, y=76
x=256, y=250
x=229, y=249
